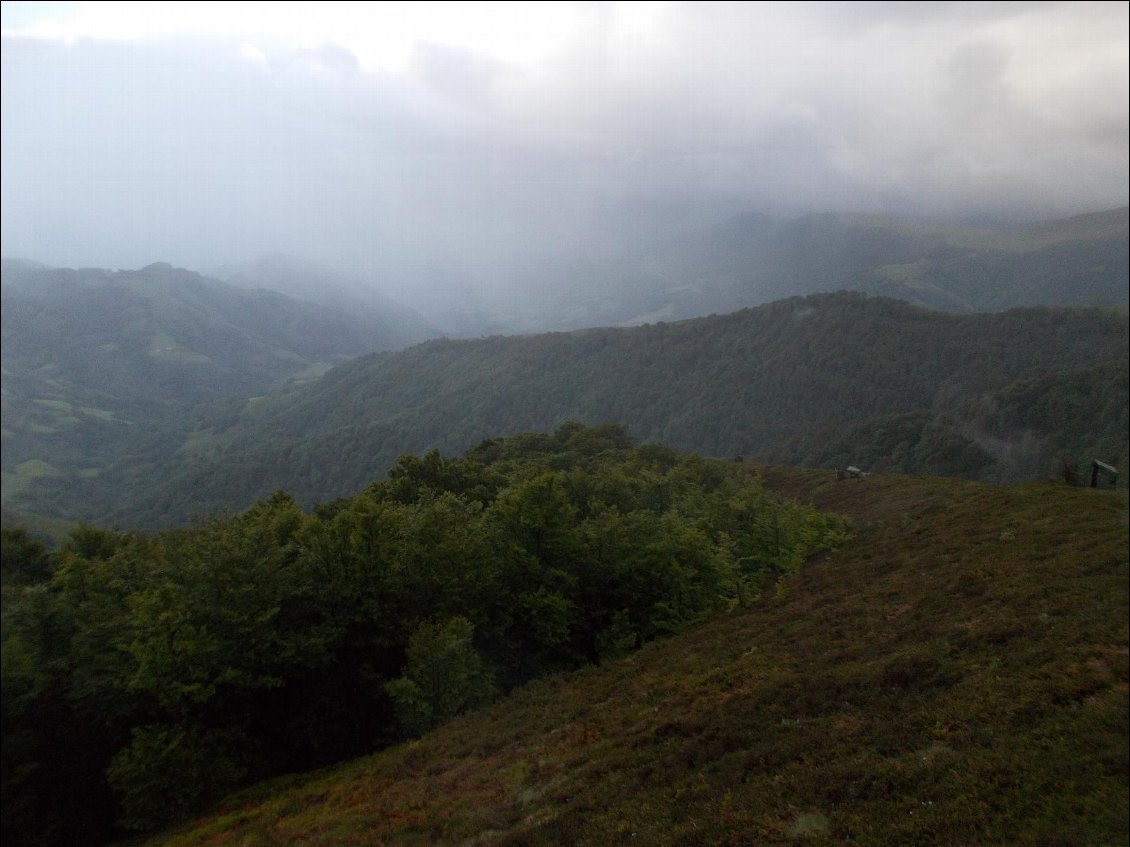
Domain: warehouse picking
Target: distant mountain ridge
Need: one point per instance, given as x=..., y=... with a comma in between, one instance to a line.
x=742, y=383
x=115, y=380
x=751, y=259
x=393, y=324
x=100, y=366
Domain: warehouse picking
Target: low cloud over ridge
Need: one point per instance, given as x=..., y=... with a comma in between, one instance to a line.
x=200, y=149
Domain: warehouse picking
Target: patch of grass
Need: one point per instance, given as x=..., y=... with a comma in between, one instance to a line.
x=99, y=414
x=313, y=371
x=163, y=347
x=36, y=468
x=956, y=674
x=200, y=442
x=60, y=406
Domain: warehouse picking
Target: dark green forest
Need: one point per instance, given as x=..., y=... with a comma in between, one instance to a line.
x=144, y=676
x=1051, y=426
x=738, y=384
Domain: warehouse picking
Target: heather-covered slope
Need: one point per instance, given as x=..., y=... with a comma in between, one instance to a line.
x=957, y=674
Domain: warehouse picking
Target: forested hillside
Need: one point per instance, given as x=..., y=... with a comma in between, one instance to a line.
x=145, y=676
x=134, y=396
x=725, y=385
x=114, y=366
x=1048, y=426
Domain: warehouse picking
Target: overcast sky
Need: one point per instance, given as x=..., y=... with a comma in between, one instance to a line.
x=469, y=134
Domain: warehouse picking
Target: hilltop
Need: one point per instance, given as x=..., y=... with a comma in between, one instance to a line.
x=955, y=674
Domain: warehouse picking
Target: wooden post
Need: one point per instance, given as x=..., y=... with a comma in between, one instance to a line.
x=1096, y=467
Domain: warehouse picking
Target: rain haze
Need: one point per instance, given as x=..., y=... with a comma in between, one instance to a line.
x=415, y=144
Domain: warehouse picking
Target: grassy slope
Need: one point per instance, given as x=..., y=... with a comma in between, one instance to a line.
x=957, y=674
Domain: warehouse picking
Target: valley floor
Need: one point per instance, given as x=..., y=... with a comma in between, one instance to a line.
x=956, y=674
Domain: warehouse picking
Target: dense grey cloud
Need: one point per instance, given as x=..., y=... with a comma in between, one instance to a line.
x=201, y=151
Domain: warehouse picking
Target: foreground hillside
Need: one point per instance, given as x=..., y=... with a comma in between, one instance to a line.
x=145, y=677
x=737, y=384
x=957, y=674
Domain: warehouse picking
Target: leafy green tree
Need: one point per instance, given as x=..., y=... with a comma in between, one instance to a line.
x=23, y=681
x=212, y=622
x=91, y=542
x=22, y=558
x=444, y=676
x=166, y=773
x=540, y=550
